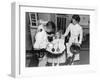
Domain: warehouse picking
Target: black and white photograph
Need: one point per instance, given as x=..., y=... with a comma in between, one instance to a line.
x=56, y=39
x=53, y=40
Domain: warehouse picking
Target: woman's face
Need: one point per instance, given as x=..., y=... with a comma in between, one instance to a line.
x=74, y=21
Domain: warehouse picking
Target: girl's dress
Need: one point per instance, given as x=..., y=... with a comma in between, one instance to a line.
x=56, y=51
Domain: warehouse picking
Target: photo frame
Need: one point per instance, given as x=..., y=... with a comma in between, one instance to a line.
x=18, y=32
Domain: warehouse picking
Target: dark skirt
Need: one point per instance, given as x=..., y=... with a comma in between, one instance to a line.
x=51, y=55
x=42, y=52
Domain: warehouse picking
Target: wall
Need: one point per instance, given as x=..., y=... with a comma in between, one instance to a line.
x=44, y=16
x=28, y=34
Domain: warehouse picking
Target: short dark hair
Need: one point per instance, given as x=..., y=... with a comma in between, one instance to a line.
x=52, y=24
x=76, y=17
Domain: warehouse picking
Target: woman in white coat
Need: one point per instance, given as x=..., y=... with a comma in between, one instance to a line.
x=76, y=34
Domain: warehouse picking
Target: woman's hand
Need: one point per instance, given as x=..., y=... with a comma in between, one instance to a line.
x=78, y=44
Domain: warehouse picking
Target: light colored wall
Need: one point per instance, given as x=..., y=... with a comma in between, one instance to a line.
x=44, y=16
x=84, y=20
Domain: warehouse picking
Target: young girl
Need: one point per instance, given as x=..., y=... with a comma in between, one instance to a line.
x=43, y=37
x=56, y=49
x=41, y=42
x=76, y=34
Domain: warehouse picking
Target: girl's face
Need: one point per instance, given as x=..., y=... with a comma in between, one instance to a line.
x=74, y=21
x=48, y=28
x=58, y=35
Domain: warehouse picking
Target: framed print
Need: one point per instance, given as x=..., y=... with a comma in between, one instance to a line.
x=52, y=40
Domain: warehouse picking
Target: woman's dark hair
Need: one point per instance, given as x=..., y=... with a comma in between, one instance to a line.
x=76, y=17
x=52, y=24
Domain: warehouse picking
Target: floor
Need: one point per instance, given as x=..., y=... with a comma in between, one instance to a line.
x=84, y=59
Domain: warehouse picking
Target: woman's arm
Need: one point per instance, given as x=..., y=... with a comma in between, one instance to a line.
x=67, y=31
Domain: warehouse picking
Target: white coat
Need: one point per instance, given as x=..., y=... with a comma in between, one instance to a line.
x=41, y=38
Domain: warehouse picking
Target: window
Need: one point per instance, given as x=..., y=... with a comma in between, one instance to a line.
x=63, y=21
x=33, y=20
